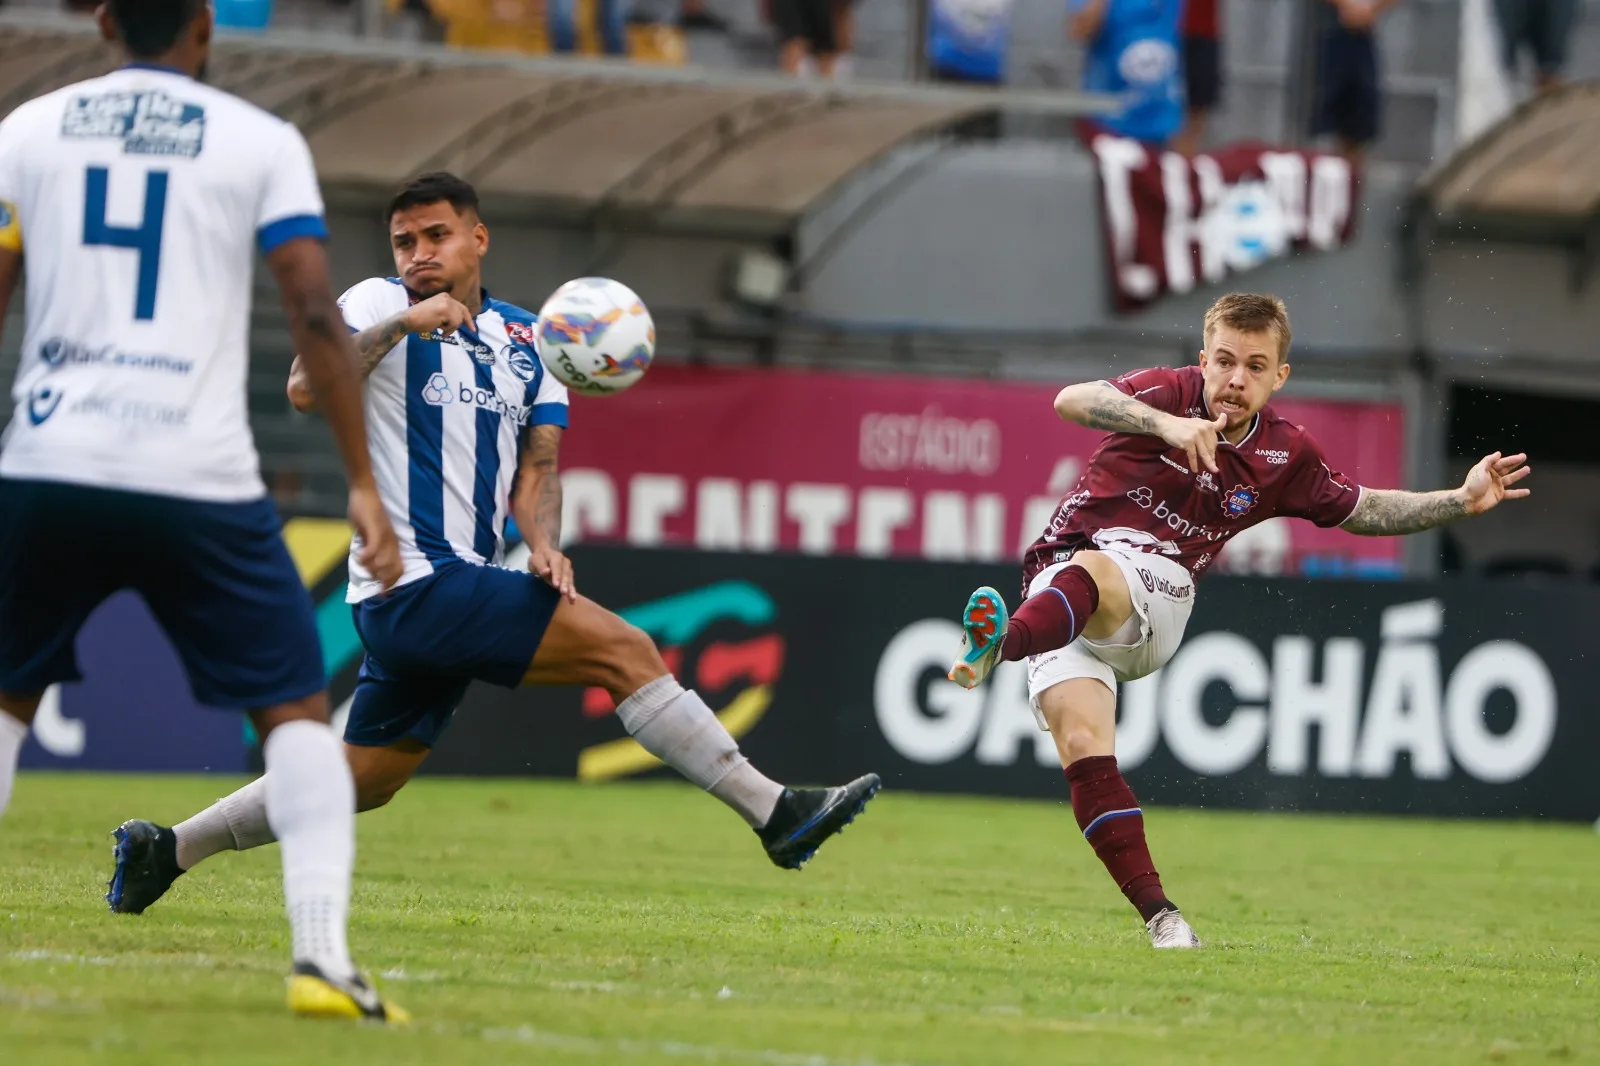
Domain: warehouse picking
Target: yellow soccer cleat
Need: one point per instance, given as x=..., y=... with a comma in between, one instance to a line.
x=312, y=994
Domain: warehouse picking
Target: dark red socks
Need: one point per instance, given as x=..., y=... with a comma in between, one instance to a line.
x=1053, y=617
x=1113, y=825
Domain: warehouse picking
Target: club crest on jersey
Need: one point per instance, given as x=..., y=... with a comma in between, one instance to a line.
x=1239, y=501
x=520, y=362
x=147, y=123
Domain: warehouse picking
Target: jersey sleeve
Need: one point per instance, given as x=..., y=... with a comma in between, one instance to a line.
x=550, y=406
x=1159, y=387
x=366, y=303
x=1316, y=491
x=291, y=202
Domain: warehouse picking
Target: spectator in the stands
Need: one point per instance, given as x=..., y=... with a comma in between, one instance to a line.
x=1545, y=27
x=1202, y=71
x=609, y=18
x=1349, y=98
x=968, y=40
x=808, y=40
x=1133, y=55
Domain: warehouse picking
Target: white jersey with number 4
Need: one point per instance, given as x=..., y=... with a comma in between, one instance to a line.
x=142, y=198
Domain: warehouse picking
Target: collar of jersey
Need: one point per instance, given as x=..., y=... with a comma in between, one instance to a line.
x=158, y=67
x=1255, y=423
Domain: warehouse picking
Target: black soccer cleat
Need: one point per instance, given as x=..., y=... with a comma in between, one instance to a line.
x=147, y=863
x=805, y=818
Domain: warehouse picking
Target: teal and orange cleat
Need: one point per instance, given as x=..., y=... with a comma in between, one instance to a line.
x=983, y=627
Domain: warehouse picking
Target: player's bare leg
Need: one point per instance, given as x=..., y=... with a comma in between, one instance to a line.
x=16, y=718
x=586, y=644
x=1082, y=716
x=1089, y=598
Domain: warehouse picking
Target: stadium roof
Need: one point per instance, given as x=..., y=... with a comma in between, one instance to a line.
x=1537, y=172
x=582, y=140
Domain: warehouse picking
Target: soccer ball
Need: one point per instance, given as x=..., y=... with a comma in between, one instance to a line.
x=596, y=336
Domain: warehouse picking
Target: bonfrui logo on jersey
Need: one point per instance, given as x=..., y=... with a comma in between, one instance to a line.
x=147, y=123
x=1239, y=500
x=638, y=359
x=440, y=391
x=748, y=664
x=578, y=328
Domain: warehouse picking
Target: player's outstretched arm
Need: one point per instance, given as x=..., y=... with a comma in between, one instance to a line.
x=536, y=505
x=1395, y=512
x=301, y=269
x=1098, y=405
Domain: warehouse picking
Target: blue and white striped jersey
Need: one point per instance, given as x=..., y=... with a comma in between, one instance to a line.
x=446, y=417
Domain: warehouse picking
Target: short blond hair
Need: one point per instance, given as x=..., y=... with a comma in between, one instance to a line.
x=1250, y=312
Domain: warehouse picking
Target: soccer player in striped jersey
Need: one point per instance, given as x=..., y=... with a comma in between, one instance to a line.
x=465, y=426
x=142, y=198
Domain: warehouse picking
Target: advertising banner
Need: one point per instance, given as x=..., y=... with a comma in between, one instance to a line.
x=909, y=467
x=1455, y=698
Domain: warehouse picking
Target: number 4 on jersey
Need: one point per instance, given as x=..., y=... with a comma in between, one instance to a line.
x=146, y=239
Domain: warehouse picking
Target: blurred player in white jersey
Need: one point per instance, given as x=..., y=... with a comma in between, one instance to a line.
x=465, y=425
x=136, y=202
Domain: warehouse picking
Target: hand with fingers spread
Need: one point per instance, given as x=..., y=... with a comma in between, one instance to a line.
x=1197, y=437
x=1491, y=479
x=442, y=312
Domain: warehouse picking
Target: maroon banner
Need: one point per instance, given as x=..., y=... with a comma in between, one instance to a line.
x=858, y=464
x=1172, y=222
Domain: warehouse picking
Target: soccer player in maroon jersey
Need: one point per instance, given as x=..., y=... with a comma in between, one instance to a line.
x=1192, y=457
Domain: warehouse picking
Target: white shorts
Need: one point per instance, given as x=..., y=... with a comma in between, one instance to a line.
x=1163, y=595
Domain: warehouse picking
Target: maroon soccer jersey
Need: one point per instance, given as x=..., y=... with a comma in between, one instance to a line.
x=1138, y=492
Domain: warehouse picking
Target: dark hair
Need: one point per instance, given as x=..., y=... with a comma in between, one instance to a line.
x=150, y=28
x=431, y=189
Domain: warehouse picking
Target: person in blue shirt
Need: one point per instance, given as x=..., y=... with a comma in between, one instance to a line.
x=1133, y=54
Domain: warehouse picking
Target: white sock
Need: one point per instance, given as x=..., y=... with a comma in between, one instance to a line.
x=236, y=822
x=12, y=735
x=678, y=728
x=311, y=806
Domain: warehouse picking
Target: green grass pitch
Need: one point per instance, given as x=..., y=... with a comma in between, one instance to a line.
x=547, y=922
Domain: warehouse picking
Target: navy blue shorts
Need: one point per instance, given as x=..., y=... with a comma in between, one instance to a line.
x=428, y=640
x=216, y=576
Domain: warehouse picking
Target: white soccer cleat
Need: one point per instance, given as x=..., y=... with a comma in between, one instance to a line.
x=983, y=627
x=1169, y=930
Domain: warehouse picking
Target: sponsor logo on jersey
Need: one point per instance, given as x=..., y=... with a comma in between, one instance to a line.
x=57, y=352
x=1276, y=457
x=42, y=403
x=1239, y=501
x=1206, y=481
x=1168, y=515
x=521, y=333
x=148, y=122
x=1157, y=583
x=440, y=391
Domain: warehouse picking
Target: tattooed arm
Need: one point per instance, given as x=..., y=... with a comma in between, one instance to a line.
x=1392, y=512
x=536, y=505
x=442, y=312
x=1100, y=405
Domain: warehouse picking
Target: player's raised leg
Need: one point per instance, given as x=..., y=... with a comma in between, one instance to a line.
x=1089, y=595
x=586, y=644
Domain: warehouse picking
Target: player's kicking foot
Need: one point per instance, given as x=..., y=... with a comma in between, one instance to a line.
x=146, y=857
x=806, y=817
x=1169, y=930
x=313, y=994
x=983, y=627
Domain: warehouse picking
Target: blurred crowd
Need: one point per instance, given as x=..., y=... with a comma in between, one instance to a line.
x=1164, y=58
